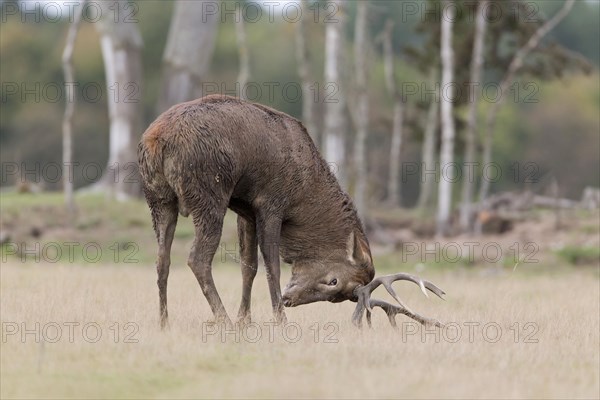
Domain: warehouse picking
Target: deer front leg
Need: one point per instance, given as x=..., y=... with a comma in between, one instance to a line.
x=165, y=221
x=249, y=264
x=269, y=230
x=206, y=242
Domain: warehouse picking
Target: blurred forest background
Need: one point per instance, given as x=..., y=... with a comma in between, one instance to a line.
x=547, y=133
x=509, y=251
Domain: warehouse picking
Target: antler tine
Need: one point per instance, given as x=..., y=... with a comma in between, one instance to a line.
x=364, y=301
x=387, y=281
x=392, y=310
x=363, y=298
x=358, y=312
x=434, y=289
x=388, y=286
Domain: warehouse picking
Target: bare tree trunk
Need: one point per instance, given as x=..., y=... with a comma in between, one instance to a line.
x=468, y=187
x=302, y=59
x=428, y=164
x=393, y=185
x=189, y=50
x=67, y=126
x=554, y=192
x=244, y=54
x=121, y=45
x=514, y=67
x=335, y=106
x=362, y=109
x=394, y=189
x=448, y=131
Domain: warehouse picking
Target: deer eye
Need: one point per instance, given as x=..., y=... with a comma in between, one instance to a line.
x=333, y=282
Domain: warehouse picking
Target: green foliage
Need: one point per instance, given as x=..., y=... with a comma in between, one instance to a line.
x=556, y=138
x=574, y=32
x=30, y=129
x=585, y=255
x=509, y=27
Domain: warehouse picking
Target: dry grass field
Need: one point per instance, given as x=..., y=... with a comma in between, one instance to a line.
x=509, y=335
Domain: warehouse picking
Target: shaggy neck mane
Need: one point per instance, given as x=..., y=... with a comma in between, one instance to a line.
x=325, y=227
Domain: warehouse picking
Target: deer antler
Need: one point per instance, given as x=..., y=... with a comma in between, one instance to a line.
x=365, y=302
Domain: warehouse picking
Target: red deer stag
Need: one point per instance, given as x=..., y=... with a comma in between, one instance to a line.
x=219, y=152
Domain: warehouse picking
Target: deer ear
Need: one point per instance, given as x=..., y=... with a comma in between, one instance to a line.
x=357, y=250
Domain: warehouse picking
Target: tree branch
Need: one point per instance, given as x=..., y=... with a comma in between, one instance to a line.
x=514, y=67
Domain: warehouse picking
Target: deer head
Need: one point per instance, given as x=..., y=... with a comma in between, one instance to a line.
x=350, y=276
x=333, y=278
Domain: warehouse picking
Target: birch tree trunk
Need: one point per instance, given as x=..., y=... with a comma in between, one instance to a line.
x=335, y=103
x=189, y=50
x=469, y=180
x=302, y=59
x=67, y=126
x=428, y=164
x=448, y=131
x=393, y=185
x=394, y=189
x=121, y=45
x=362, y=107
x=513, y=68
x=243, y=51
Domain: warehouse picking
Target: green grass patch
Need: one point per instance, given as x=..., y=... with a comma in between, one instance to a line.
x=584, y=255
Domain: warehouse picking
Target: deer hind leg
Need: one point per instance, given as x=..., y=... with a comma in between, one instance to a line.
x=269, y=231
x=164, y=217
x=249, y=264
x=209, y=226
